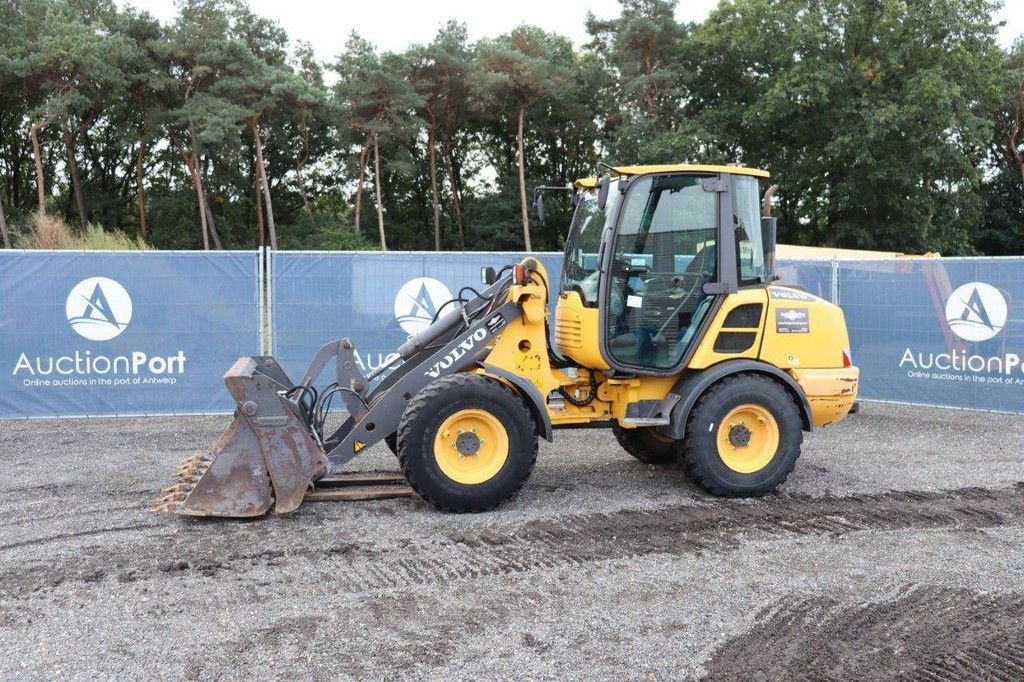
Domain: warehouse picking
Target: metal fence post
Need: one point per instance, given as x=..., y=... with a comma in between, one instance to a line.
x=267, y=274
x=834, y=281
x=260, y=298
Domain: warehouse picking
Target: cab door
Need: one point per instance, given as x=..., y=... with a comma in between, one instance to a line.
x=663, y=269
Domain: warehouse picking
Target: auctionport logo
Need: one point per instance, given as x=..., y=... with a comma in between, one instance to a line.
x=98, y=308
x=418, y=301
x=976, y=311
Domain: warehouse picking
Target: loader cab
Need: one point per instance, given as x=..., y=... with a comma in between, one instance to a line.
x=644, y=272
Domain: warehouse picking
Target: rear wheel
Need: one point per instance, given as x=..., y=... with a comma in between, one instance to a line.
x=647, y=444
x=743, y=437
x=466, y=443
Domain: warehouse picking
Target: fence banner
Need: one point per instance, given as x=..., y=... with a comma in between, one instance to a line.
x=943, y=331
x=814, y=276
x=376, y=299
x=116, y=333
x=946, y=332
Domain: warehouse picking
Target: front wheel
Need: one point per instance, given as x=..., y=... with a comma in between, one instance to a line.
x=466, y=443
x=743, y=437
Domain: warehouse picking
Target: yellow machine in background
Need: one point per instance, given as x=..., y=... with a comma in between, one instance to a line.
x=668, y=328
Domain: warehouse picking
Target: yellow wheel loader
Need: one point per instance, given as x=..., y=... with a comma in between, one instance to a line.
x=668, y=329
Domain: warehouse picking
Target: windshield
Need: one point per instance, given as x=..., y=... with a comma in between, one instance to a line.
x=580, y=272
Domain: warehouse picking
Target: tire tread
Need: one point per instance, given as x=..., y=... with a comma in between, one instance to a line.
x=690, y=454
x=430, y=397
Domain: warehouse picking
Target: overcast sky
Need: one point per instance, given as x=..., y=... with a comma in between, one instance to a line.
x=395, y=24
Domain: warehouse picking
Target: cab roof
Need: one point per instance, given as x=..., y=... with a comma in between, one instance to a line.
x=590, y=183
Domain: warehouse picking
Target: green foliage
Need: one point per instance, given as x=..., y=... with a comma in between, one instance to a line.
x=873, y=115
x=642, y=51
x=888, y=125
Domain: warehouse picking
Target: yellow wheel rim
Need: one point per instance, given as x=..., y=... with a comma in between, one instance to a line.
x=748, y=438
x=471, y=446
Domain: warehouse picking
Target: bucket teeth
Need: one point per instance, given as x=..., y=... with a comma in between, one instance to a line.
x=177, y=487
x=169, y=503
x=190, y=475
x=166, y=507
x=191, y=464
x=173, y=497
x=186, y=476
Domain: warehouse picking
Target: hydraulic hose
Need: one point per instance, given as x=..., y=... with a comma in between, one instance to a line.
x=417, y=342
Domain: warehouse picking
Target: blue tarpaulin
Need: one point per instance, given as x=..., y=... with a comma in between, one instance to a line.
x=115, y=333
x=933, y=331
x=376, y=299
x=107, y=333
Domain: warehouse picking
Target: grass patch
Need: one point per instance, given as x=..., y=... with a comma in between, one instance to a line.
x=44, y=231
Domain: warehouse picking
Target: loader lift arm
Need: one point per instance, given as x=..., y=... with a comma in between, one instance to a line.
x=275, y=423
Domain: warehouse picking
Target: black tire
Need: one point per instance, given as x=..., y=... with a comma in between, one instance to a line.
x=424, y=416
x=646, y=444
x=700, y=454
x=392, y=443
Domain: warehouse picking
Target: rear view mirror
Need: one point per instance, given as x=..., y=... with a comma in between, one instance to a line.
x=539, y=205
x=488, y=276
x=602, y=190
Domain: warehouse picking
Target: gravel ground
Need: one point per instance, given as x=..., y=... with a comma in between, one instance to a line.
x=894, y=549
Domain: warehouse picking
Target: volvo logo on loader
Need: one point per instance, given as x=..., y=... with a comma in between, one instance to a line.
x=464, y=347
x=417, y=302
x=976, y=311
x=98, y=308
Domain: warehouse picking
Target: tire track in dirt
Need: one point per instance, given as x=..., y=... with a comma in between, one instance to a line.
x=551, y=543
x=79, y=534
x=923, y=633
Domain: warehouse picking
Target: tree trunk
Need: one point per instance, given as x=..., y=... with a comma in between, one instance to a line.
x=522, y=180
x=302, y=192
x=3, y=227
x=262, y=170
x=213, y=228
x=300, y=164
x=648, y=94
x=259, y=205
x=1015, y=133
x=456, y=200
x=140, y=188
x=197, y=183
x=431, y=140
x=831, y=238
x=380, y=208
x=38, y=153
x=76, y=178
x=192, y=164
x=359, y=183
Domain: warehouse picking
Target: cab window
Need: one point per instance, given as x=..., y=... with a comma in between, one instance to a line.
x=749, y=239
x=665, y=251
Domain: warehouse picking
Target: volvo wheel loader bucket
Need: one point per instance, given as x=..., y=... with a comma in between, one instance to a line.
x=267, y=457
